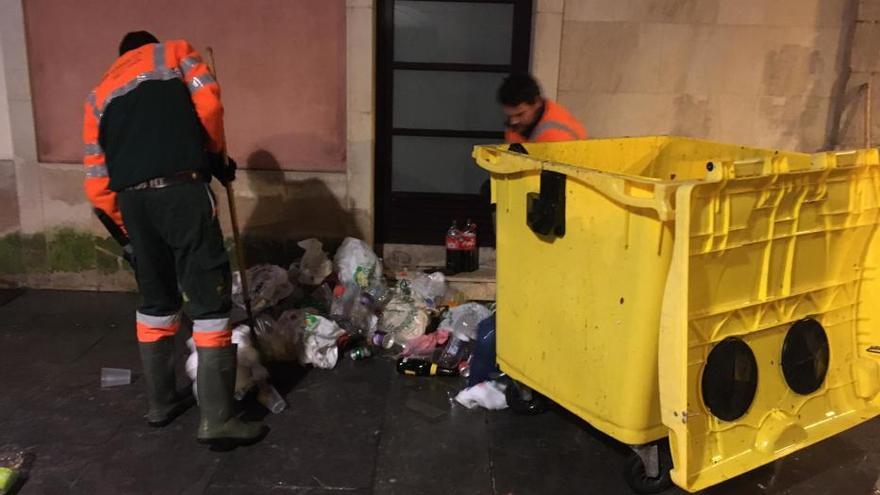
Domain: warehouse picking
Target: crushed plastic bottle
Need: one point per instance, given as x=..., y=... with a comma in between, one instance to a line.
x=268, y=284
x=457, y=349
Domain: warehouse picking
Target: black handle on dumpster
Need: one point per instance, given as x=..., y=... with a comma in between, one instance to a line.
x=545, y=211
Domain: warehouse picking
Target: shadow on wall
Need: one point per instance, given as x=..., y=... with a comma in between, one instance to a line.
x=286, y=210
x=842, y=95
x=850, y=128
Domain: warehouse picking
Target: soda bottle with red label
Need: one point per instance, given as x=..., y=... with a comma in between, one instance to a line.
x=453, y=250
x=470, y=249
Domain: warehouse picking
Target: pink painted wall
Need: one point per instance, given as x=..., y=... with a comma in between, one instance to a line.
x=281, y=65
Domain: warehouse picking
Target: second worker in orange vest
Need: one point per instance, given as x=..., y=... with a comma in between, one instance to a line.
x=533, y=118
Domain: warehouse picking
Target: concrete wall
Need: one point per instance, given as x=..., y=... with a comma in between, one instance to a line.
x=48, y=237
x=759, y=72
x=863, y=66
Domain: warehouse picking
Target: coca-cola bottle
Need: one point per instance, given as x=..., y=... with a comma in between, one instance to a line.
x=453, y=250
x=470, y=250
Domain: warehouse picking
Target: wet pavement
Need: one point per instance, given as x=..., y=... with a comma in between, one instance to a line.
x=360, y=428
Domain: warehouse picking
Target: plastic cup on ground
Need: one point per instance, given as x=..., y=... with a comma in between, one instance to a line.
x=115, y=377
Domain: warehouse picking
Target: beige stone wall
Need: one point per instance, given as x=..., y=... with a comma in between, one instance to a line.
x=758, y=72
x=863, y=67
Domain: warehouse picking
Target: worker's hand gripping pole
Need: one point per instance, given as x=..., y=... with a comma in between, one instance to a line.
x=233, y=214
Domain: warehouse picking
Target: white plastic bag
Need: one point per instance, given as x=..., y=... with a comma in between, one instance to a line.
x=314, y=266
x=318, y=343
x=488, y=394
x=268, y=284
x=356, y=263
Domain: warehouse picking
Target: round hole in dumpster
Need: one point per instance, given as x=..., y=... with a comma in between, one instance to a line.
x=805, y=356
x=730, y=378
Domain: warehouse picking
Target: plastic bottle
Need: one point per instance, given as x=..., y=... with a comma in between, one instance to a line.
x=453, y=249
x=470, y=250
x=421, y=367
x=457, y=349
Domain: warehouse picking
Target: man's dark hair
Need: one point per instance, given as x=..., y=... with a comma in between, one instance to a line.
x=518, y=88
x=134, y=40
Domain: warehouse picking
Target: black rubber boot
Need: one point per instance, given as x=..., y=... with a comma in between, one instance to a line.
x=216, y=383
x=165, y=402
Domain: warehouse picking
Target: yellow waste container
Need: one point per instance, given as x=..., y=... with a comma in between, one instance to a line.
x=723, y=296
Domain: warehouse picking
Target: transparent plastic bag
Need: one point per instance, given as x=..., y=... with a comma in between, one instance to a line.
x=315, y=265
x=268, y=285
x=354, y=309
x=277, y=338
x=428, y=289
x=463, y=320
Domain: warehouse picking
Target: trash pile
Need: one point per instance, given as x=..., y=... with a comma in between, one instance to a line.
x=319, y=311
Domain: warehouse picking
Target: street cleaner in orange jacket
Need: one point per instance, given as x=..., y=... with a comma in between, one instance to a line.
x=531, y=118
x=153, y=137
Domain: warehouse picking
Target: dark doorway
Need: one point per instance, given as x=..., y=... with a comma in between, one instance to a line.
x=439, y=65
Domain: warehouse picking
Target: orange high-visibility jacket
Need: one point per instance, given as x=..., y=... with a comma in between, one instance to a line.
x=152, y=62
x=557, y=124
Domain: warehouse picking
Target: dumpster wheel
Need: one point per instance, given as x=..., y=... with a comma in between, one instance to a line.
x=636, y=471
x=523, y=400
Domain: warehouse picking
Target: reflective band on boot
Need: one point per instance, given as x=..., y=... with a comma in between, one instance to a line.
x=213, y=332
x=153, y=328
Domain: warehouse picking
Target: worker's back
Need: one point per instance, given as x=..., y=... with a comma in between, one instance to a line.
x=148, y=126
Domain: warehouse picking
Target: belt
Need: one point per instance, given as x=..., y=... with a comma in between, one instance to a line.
x=161, y=182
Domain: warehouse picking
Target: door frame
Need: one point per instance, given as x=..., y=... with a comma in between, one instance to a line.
x=402, y=217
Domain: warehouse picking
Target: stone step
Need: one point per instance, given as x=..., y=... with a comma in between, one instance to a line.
x=476, y=286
